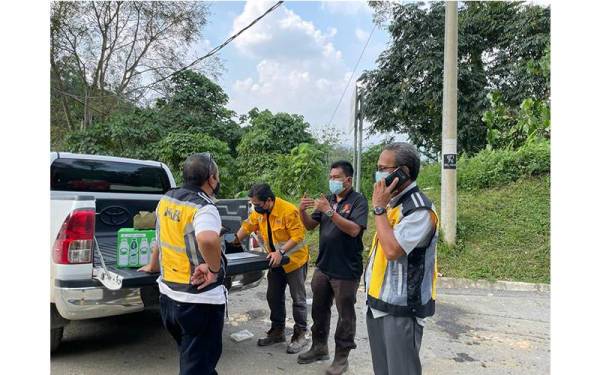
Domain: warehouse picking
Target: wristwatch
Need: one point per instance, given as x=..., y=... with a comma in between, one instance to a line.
x=281, y=252
x=379, y=210
x=329, y=213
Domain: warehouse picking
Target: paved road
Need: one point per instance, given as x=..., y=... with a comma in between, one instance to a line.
x=473, y=332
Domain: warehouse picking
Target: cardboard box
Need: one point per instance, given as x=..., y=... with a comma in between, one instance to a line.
x=134, y=247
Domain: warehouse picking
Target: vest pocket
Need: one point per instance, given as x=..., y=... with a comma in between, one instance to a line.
x=176, y=267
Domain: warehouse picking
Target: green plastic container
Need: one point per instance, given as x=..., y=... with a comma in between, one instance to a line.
x=134, y=247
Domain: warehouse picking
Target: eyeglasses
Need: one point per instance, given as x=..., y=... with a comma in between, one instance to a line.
x=384, y=169
x=211, y=161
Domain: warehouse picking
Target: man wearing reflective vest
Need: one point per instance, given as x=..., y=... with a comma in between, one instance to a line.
x=282, y=232
x=192, y=266
x=400, y=276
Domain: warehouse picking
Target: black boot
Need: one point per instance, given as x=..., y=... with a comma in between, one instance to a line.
x=340, y=362
x=298, y=341
x=318, y=352
x=274, y=336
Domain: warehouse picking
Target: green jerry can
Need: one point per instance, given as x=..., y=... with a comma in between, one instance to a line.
x=134, y=247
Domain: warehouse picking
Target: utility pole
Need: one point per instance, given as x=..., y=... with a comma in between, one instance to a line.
x=358, y=164
x=355, y=131
x=449, y=124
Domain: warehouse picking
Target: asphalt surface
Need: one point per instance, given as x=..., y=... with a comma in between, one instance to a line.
x=474, y=331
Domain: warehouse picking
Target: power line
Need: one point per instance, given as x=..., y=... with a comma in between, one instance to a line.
x=222, y=45
x=210, y=53
x=352, y=75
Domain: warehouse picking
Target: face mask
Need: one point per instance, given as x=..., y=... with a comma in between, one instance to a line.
x=336, y=187
x=381, y=175
x=261, y=210
x=216, y=188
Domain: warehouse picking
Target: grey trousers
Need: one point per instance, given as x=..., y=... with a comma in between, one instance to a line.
x=277, y=281
x=395, y=343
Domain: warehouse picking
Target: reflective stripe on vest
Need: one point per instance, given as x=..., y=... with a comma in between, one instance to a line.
x=179, y=253
x=405, y=286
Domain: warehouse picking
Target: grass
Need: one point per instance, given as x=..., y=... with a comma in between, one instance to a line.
x=503, y=233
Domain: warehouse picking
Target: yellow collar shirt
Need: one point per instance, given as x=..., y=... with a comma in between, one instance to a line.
x=285, y=223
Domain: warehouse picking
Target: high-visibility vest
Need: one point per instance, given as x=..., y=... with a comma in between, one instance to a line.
x=405, y=286
x=179, y=253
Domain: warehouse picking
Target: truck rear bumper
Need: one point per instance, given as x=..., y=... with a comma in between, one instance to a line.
x=96, y=302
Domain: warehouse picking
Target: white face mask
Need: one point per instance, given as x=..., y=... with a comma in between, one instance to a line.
x=381, y=175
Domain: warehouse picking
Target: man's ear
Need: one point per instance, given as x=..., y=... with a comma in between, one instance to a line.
x=406, y=171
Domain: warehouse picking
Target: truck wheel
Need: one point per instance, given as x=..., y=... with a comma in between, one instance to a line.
x=56, y=336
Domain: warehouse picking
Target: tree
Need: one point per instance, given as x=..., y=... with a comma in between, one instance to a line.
x=303, y=170
x=269, y=133
x=118, y=51
x=496, y=42
x=510, y=127
x=194, y=103
x=176, y=147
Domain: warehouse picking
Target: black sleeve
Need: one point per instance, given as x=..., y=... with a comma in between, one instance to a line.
x=360, y=212
x=316, y=216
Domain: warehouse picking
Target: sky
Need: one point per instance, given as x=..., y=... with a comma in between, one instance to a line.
x=297, y=59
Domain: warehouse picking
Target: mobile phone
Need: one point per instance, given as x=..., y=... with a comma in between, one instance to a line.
x=402, y=177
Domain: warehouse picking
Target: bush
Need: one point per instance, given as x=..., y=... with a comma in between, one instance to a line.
x=176, y=147
x=491, y=168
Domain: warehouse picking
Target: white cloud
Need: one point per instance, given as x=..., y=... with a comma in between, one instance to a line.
x=346, y=7
x=361, y=35
x=299, y=69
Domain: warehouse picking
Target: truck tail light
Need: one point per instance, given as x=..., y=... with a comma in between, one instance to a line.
x=75, y=240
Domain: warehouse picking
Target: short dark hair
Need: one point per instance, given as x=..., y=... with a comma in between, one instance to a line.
x=406, y=154
x=344, y=166
x=261, y=191
x=197, y=168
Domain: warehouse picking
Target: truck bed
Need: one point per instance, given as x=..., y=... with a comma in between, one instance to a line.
x=237, y=263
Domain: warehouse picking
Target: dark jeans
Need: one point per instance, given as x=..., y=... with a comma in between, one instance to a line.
x=197, y=329
x=325, y=290
x=277, y=281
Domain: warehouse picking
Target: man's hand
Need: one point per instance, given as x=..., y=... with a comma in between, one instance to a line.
x=274, y=258
x=382, y=194
x=322, y=204
x=148, y=268
x=202, y=276
x=306, y=202
x=236, y=242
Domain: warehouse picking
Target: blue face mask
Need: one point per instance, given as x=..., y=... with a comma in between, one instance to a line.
x=381, y=175
x=336, y=187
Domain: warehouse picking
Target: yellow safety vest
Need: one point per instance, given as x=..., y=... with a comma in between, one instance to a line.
x=179, y=253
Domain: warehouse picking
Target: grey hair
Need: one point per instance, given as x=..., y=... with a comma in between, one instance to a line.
x=197, y=168
x=408, y=155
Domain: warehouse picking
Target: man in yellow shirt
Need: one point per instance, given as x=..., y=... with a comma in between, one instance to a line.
x=279, y=225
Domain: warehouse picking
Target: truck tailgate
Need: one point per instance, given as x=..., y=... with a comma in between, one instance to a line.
x=237, y=263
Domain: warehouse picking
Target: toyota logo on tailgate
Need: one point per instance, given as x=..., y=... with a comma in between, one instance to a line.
x=114, y=215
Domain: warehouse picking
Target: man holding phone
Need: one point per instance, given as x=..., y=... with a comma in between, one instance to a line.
x=400, y=276
x=342, y=218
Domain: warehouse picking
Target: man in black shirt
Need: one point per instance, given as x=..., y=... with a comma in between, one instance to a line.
x=342, y=217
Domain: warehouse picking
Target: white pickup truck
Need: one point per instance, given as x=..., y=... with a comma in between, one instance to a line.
x=92, y=197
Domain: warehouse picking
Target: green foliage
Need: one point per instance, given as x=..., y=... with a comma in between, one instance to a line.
x=176, y=147
x=303, y=170
x=196, y=104
x=124, y=134
x=368, y=169
x=492, y=168
x=503, y=233
x=275, y=134
x=497, y=40
x=253, y=168
x=511, y=128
